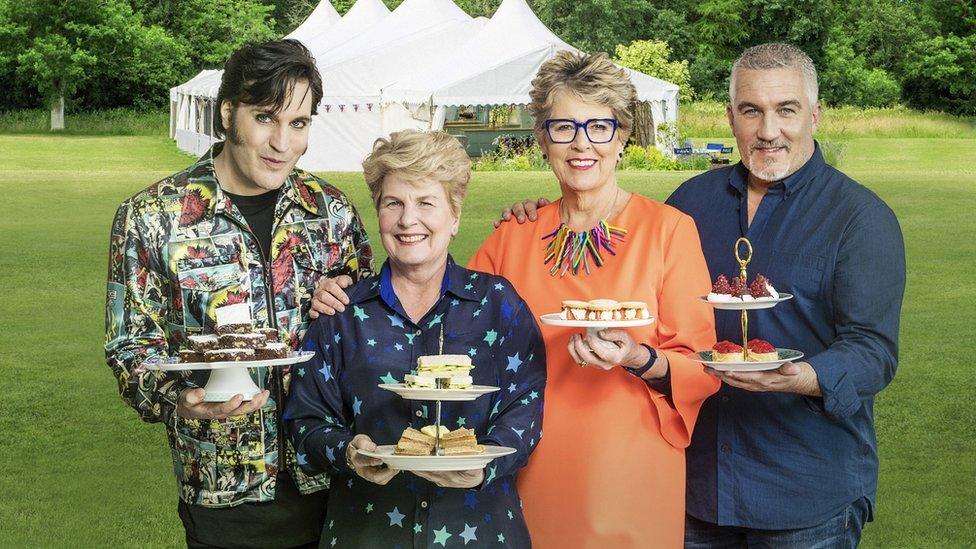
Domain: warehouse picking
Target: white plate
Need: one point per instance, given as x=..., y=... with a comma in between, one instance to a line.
x=437, y=463
x=785, y=355
x=553, y=319
x=747, y=305
x=173, y=364
x=418, y=393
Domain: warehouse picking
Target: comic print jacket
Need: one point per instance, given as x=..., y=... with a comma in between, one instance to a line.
x=179, y=249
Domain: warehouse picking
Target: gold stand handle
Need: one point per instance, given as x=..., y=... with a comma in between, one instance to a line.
x=743, y=261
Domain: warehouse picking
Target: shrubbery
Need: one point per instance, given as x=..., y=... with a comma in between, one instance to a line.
x=515, y=156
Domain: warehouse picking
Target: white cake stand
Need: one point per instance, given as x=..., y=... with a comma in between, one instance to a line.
x=227, y=378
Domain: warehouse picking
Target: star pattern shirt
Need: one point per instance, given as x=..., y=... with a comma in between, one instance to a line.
x=336, y=396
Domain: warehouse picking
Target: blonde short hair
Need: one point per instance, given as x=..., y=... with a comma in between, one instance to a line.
x=591, y=77
x=420, y=156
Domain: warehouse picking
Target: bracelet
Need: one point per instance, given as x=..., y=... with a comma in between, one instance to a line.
x=639, y=372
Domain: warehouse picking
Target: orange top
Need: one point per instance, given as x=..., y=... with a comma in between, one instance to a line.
x=610, y=468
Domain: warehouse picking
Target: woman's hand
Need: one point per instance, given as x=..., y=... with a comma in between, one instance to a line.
x=329, y=296
x=611, y=348
x=371, y=469
x=454, y=479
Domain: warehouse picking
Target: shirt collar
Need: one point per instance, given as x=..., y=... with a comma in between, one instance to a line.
x=738, y=176
x=455, y=282
x=299, y=187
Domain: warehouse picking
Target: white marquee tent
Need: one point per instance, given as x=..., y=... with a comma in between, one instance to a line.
x=354, y=74
x=321, y=18
x=498, y=65
x=384, y=72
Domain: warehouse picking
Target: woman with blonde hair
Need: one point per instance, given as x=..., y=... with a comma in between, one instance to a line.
x=421, y=303
x=620, y=408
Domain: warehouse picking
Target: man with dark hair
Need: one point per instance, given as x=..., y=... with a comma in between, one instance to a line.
x=241, y=225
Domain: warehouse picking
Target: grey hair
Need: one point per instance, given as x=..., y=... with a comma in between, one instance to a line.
x=777, y=55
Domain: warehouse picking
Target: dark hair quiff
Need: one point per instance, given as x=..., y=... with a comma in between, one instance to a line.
x=265, y=75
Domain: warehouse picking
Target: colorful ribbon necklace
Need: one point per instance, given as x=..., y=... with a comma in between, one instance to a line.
x=570, y=251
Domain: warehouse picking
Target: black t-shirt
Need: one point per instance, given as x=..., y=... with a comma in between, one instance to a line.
x=258, y=210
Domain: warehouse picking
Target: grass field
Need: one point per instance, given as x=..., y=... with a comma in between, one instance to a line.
x=77, y=468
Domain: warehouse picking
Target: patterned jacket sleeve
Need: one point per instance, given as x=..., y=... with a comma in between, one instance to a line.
x=359, y=241
x=515, y=419
x=134, y=320
x=317, y=421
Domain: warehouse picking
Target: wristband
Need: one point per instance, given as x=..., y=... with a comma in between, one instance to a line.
x=639, y=372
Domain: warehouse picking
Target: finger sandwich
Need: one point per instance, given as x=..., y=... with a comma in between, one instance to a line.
x=441, y=372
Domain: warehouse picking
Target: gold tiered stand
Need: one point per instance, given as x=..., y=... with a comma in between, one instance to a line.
x=743, y=255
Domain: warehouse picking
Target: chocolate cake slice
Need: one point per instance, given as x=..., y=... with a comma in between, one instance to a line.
x=272, y=351
x=271, y=334
x=203, y=343
x=242, y=341
x=188, y=355
x=229, y=355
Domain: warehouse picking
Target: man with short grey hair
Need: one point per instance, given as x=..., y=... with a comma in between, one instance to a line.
x=788, y=457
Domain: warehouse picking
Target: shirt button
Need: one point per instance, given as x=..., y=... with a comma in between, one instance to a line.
x=725, y=399
x=423, y=504
x=420, y=413
x=417, y=332
x=726, y=448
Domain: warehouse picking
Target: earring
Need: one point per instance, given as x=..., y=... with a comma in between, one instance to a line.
x=544, y=157
x=620, y=154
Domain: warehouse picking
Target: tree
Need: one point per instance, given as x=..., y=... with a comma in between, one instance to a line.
x=213, y=29
x=596, y=25
x=652, y=57
x=210, y=30
x=97, y=49
x=939, y=74
x=57, y=55
x=846, y=79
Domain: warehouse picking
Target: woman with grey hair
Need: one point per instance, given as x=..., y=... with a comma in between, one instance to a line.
x=619, y=407
x=420, y=304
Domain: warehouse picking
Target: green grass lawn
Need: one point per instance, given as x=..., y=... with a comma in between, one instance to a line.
x=78, y=468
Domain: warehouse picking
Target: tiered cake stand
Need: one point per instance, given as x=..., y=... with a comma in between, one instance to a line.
x=785, y=355
x=438, y=461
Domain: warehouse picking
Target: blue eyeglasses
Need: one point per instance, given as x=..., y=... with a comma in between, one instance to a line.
x=597, y=130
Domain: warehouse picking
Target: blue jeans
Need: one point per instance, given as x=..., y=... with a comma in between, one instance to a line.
x=842, y=531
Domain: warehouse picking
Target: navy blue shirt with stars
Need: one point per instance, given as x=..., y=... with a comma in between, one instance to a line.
x=335, y=396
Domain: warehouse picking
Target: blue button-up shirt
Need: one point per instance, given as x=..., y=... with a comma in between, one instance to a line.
x=782, y=460
x=335, y=396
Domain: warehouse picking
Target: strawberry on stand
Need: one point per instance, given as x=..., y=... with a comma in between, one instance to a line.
x=721, y=290
x=762, y=289
x=739, y=288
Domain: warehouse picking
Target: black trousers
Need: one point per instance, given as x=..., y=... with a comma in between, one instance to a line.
x=290, y=521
